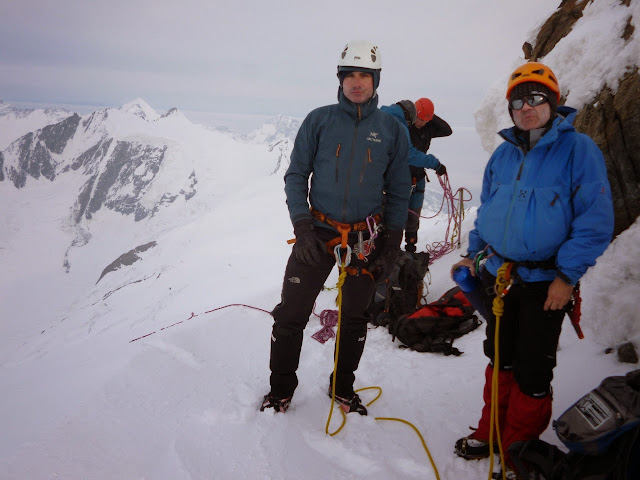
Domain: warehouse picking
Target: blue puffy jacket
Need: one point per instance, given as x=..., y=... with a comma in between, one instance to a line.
x=416, y=157
x=357, y=159
x=554, y=201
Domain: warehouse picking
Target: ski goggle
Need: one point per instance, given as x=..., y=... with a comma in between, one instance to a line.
x=532, y=100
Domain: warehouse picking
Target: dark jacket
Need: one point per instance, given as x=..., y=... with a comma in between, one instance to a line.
x=357, y=158
x=421, y=137
x=421, y=140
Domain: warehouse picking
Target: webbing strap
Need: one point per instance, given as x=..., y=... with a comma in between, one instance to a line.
x=349, y=227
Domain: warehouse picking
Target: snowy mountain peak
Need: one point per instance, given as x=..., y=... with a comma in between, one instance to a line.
x=140, y=108
x=275, y=129
x=174, y=113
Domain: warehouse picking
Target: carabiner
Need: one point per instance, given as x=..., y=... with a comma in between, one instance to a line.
x=373, y=231
x=347, y=258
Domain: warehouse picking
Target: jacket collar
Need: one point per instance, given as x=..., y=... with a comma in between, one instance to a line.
x=562, y=123
x=351, y=108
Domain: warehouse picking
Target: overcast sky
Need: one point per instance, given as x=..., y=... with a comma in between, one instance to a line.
x=257, y=57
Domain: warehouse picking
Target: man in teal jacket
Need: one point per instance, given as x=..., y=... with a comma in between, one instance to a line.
x=546, y=209
x=356, y=157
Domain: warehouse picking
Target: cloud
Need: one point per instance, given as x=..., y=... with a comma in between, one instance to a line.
x=253, y=56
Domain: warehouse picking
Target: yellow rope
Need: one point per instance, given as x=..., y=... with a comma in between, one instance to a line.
x=341, y=278
x=502, y=288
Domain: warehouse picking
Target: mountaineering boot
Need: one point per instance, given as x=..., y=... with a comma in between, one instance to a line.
x=411, y=238
x=470, y=448
x=349, y=404
x=280, y=405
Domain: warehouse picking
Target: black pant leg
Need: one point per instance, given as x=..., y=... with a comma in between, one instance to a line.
x=537, y=341
x=301, y=286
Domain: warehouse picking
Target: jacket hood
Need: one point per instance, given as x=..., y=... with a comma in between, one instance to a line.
x=396, y=111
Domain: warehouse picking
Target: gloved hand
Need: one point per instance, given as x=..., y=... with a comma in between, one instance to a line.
x=390, y=249
x=441, y=170
x=308, y=247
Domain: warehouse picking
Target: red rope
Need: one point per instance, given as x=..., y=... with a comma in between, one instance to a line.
x=193, y=315
x=455, y=213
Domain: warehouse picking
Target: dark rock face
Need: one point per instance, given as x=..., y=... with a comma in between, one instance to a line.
x=627, y=353
x=34, y=160
x=56, y=136
x=131, y=168
x=126, y=259
x=611, y=120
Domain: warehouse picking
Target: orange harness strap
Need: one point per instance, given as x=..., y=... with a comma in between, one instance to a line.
x=344, y=229
x=350, y=227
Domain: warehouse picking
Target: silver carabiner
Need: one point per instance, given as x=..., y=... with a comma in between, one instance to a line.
x=347, y=258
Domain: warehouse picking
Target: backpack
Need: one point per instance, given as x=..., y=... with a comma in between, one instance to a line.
x=602, y=432
x=402, y=294
x=435, y=326
x=591, y=424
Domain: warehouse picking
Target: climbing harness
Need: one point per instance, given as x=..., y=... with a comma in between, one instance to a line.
x=341, y=249
x=504, y=281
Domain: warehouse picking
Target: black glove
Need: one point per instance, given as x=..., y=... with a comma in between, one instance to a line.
x=441, y=170
x=308, y=247
x=390, y=249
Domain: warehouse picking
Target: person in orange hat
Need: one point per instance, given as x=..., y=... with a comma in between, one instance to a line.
x=545, y=216
x=426, y=127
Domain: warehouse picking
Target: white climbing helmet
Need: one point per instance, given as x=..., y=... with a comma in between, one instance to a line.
x=360, y=54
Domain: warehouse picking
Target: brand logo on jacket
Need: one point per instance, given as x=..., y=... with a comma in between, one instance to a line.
x=373, y=137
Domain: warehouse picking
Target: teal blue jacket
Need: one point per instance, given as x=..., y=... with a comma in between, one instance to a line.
x=356, y=159
x=552, y=202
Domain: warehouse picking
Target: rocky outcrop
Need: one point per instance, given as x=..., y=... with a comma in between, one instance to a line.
x=611, y=119
x=126, y=259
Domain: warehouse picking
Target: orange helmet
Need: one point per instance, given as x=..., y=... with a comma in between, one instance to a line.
x=534, y=72
x=424, y=109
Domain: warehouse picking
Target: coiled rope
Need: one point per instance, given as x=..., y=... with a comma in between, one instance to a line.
x=341, y=278
x=455, y=215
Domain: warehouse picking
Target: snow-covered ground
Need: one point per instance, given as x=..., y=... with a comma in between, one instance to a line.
x=82, y=400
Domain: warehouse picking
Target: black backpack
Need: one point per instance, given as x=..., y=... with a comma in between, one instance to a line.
x=602, y=432
x=434, y=327
x=402, y=294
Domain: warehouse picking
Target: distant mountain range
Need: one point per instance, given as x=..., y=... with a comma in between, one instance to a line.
x=119, y=155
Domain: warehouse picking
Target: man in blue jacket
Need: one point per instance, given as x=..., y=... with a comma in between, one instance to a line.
x=356, y=157
x=546, y=209
x=406, y=113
